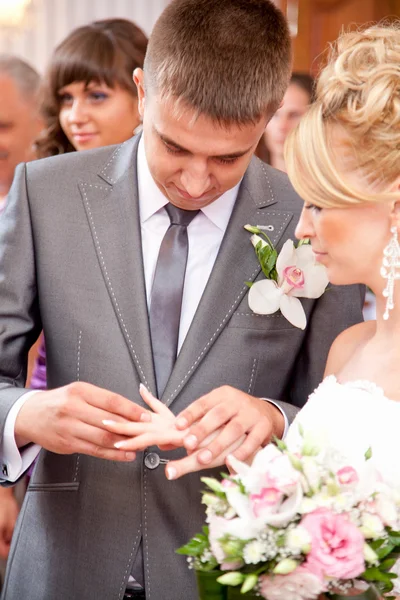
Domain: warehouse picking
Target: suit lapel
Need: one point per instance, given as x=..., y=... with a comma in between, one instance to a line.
x=111, y=205
x=236, y=263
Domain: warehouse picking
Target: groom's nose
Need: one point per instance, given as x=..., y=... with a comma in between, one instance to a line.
x=196, y=180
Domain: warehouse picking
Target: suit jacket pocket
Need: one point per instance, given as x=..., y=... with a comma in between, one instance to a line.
x=53, y=487
x=56, y=472
x=246, y=319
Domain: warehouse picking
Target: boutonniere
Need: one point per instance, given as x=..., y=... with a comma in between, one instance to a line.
x=291, y=275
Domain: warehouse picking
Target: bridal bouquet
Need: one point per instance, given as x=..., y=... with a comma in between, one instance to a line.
x=298, y=525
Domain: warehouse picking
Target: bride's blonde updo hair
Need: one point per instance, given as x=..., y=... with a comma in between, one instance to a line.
x=358, y=103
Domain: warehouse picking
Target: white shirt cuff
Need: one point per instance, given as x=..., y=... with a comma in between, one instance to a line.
x=13, y=462
x=283, y=414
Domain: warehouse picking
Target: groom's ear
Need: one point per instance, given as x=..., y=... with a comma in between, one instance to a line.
x=138, y=78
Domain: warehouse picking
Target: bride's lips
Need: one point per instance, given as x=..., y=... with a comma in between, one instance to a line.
x=319, y=255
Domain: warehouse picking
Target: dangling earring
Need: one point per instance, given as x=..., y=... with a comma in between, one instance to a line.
x=390, y=270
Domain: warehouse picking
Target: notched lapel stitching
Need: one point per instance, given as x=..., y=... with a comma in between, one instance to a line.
x=228, y=314
x=96, y=240
x=126, y=574
x=288, y=218
x=103, y=172
x=273, y=199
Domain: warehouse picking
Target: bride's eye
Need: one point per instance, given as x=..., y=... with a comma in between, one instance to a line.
x=312, y=207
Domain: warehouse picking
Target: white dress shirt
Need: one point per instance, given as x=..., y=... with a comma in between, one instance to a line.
x=205, y=234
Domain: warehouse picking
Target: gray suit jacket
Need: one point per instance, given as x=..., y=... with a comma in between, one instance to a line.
x=70, y=262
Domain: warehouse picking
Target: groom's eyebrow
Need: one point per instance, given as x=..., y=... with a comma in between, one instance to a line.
x=176, y=146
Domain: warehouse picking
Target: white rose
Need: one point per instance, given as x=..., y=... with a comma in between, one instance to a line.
x=298, y=540
x=371, y=526
x=387, y=511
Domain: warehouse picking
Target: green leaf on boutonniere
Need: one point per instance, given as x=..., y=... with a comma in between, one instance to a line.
x=267, y=256
x=303, y=242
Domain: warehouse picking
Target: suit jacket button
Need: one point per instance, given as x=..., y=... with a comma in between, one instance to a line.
x=152, y=460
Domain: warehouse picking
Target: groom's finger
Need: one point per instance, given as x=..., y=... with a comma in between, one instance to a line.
x=232, y=434
x=191, y=464
x=200, y=407
x=254, y=441
x=213, y=420
x=108, y=401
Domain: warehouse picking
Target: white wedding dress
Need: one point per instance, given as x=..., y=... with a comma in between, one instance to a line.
x=353, y=417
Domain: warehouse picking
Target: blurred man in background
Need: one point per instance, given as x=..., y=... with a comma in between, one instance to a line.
x=20, y=121
x=20, y=124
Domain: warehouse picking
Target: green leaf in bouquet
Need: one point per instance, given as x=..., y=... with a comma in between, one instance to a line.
x=192, y=548
x=375, y=544
x=249, y=583
x=394, y=537
x=232, y=547
x=197, y=545
x=368, y=453
x=387, y=564
x=382, y=580
x=249, y=283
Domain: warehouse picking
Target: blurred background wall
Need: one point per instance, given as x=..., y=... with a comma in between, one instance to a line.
x=320, y=22
x=314, y=23
x=47, y=22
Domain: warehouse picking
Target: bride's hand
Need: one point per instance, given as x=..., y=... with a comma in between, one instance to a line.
x=160, y=431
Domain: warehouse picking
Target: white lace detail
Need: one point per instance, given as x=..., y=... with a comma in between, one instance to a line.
x=363, y=384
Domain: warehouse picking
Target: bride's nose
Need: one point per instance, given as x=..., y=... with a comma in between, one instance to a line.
x=304, y=227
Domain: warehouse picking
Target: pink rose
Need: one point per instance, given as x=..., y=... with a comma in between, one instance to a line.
x=336, y=545
x=298, y=585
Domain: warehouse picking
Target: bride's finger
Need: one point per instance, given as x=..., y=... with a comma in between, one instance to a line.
x=133, y=428
x=155, y=404
x=171, y=438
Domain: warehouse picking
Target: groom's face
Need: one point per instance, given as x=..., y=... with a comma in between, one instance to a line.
x=193, y=161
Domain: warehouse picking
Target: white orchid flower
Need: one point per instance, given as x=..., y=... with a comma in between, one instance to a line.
x=299, y=276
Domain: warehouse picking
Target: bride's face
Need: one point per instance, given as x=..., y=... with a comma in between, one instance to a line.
x=349, y=241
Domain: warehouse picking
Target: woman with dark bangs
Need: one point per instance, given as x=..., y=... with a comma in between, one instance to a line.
x=90, y=100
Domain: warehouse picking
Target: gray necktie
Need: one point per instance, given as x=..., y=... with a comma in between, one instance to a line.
x=166, y=293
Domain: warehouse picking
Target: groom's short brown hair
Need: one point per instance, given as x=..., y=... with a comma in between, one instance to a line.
x=227, y=59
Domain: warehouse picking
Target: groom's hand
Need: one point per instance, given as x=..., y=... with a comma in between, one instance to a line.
x=242, y=424
x=70, y=419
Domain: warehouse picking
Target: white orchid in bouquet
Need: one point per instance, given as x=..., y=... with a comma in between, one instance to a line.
x=291, y=275
x=296, y=524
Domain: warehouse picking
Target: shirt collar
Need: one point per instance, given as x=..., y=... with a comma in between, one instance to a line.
x=151, y=199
